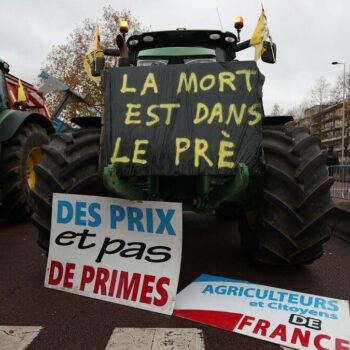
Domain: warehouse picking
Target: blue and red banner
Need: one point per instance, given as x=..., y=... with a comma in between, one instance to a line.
x=288, y=318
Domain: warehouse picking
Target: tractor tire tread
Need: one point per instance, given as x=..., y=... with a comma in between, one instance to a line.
x=294, y=204
x=16, y=202
x=69, y=165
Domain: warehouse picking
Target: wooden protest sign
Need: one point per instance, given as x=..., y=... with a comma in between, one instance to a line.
x=195, y=119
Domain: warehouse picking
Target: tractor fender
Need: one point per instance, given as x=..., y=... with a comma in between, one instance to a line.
x=15, y=119
x=276, y=120
x=87, y=122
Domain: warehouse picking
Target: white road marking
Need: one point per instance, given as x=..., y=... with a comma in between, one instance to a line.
x=17, y=337
x=156, y=339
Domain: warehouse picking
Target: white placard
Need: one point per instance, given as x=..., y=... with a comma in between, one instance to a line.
x=125, y=252
x=292, y=319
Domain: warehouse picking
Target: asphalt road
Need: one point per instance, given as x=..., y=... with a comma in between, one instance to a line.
x=75, y=322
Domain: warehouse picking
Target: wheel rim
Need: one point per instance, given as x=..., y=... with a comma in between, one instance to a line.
x=33, y=158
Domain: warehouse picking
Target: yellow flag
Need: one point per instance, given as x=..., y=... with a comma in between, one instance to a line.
x=261, y=33
x=95, y=45
x=21, y=95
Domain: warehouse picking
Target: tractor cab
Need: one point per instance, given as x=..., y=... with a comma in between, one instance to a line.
x=188, y=44
x=181, y=47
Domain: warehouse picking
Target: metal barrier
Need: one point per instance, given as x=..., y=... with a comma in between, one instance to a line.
x=341, y=186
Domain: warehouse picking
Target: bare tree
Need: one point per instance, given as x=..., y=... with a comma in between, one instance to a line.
x=276, y=110
x=298, y=111
x=337, y=91
x=320, y=92
x=65, y=61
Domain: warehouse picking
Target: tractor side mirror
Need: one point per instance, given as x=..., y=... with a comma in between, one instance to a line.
x=97, y=66
x=4, y=66
x=270, y=53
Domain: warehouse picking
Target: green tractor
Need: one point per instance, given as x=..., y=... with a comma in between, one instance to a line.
x=24, y=127
x=164, y=137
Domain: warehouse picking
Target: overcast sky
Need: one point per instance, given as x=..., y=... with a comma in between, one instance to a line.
x=310, y=34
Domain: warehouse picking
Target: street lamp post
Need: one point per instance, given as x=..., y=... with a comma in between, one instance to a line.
x=343, y=121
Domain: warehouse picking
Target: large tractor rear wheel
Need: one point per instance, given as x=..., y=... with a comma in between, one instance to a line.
x=69, y=165
x=293, y=204
x=18, y=158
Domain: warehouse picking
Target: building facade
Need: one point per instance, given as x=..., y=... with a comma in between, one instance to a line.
x=326, y=123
